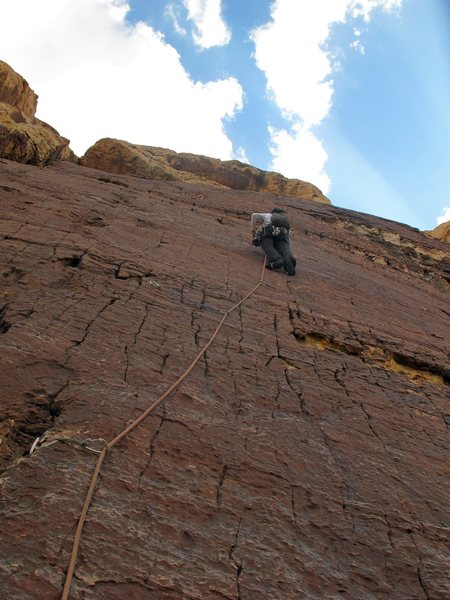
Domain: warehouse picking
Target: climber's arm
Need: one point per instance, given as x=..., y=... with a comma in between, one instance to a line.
x=256, y=220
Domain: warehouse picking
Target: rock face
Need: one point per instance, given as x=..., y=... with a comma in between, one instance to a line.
x=14, y=90
x=441, y=232
x=117, y=156
x=24, y=138
x=306, y=455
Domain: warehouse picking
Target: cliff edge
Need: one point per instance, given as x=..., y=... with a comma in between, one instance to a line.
x=120, y=157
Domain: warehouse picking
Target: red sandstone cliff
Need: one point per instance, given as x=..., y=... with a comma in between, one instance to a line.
x=120, y=157
x=24, y=138
x=305, y=457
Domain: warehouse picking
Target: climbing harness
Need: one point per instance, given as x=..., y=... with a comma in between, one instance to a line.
x=269, y=231
x=108, y=445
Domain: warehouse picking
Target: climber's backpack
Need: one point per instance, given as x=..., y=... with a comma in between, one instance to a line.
x=280, y=220
x=279, y=227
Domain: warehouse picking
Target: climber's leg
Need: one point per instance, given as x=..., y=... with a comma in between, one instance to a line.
x=274, y=259
x=284, y=249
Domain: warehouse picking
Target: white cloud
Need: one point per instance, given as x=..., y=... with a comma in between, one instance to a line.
x=241, y=155
x=299, y=152
x=363, y=8
x=356, y=44
x=210, y=28
x=118, y=9
x=172, y=13
x=290, y=50
x=99, y=76
x=444, y=217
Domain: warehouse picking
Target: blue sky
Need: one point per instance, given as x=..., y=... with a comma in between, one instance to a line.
x=351, y=95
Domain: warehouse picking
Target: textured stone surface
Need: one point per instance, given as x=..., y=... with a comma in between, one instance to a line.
x=120, y=157
x=306, y=457
x=441, y=232
x=15, y=90
x=24, y=138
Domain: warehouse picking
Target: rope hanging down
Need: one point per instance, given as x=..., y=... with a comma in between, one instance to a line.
x=126, y=431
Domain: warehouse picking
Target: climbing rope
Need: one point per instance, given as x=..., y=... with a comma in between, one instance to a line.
x=108, y=445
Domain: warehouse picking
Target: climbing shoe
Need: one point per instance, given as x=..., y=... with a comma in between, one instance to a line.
x=289, y=266
x=275, y=264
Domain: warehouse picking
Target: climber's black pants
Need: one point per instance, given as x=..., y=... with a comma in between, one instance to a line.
x=277, y=250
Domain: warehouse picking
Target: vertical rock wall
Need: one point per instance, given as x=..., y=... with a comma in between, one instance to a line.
x=306, y=457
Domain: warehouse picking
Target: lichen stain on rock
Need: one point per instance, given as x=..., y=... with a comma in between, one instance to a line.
x=375, y=356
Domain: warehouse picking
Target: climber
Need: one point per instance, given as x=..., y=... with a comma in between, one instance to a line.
x=271, y=232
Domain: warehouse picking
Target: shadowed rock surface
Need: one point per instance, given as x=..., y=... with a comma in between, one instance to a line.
x=117, y=156
x=24, y=138
x=305, y=457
